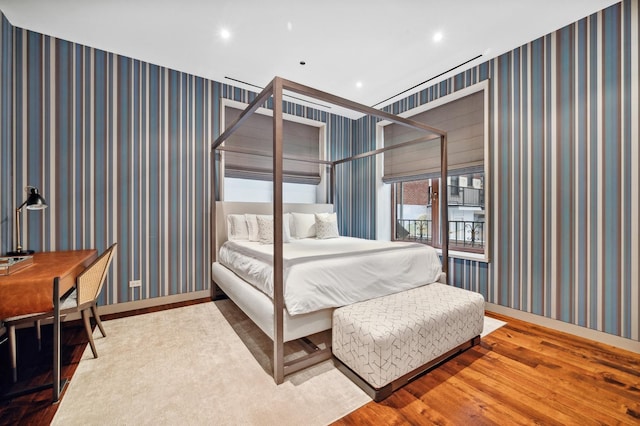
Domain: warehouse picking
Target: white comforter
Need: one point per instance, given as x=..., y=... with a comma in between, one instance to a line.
x=329, y=273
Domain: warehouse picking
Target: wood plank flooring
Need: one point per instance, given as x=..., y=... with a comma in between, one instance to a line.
x=519, y=374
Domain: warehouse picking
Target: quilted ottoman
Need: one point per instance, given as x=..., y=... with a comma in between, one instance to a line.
x=383, y=343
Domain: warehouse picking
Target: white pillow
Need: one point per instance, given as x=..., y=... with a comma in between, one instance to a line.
x=326, y=225
x=305, y=225
x=237, y=227
x=287, y=234
x=265, y=229
x=292, y=225
x=252, y=227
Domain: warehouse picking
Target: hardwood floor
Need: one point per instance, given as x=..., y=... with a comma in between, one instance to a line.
x=34, y=367
x=519, y=374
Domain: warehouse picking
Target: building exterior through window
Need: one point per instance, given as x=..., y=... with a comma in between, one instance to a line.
x=417, y=206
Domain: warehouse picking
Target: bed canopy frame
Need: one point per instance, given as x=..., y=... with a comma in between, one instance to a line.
x=276, y=89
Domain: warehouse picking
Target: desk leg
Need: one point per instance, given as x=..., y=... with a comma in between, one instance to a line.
x=58, y=385
x=56, y=340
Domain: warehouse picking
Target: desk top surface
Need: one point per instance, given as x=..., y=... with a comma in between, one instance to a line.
x=30, y=290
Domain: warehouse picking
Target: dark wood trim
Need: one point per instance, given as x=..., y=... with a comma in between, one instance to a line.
x=150, y=309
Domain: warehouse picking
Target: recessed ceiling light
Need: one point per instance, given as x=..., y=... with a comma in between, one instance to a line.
x=359, y=84
x=225, y=34
x=438, y=36
x=289, y=26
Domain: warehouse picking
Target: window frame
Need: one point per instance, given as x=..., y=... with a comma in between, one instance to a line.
x=386, y=191
x=431, y=234
x=321, y=188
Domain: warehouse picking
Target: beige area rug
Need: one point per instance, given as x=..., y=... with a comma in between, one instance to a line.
x=189, y=366
x=202, y=364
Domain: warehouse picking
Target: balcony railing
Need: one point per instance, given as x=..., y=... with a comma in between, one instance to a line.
x=414, y=230
x=467, y=234
x=462, y=234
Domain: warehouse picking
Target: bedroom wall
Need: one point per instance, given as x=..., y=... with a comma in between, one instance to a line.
x=6, y=169
x=565, y=157
x=355, y=180
x=565, y=239
x=120, y=150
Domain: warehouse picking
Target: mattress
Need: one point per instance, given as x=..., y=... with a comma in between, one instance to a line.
x=328, y=273
x=257, y=306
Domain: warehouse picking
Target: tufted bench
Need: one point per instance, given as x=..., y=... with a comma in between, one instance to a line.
x=381, y=344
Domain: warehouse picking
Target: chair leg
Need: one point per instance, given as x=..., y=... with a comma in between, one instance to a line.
x=12, y=350
x=87, y=327
x=94, y=310
x=37, y=324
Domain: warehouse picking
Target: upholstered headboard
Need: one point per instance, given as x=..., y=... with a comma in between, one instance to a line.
x=224, y=208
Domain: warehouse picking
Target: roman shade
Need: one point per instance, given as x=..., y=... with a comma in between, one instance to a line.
x=462, y=119
x=256, y=135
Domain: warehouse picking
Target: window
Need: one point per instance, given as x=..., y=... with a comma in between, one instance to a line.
x=246, y=173
x=261, y=191
x=417, y=207
x=413, y=173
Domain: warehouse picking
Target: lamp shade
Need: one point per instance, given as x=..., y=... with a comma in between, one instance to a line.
x=35, y=200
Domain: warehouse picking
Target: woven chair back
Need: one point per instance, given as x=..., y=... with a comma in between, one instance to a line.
x=89, y=282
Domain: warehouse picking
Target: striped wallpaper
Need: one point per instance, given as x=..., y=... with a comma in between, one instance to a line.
x=6, y=126
x=355, y=180
x=565, y=161
x=120, y=149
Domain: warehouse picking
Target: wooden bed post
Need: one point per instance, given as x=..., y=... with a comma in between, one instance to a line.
x=278, y=290
x=444, y=207
x=212, y=222
x=275, y=90
x=332, y=185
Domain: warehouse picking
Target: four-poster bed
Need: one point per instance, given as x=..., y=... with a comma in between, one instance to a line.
x=257, y=304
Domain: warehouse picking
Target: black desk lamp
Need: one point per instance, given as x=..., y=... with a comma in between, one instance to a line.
x=34, y=202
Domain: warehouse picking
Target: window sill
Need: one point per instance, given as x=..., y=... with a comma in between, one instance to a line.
x=478, y=257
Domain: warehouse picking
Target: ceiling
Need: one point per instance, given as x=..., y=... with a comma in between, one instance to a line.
x=386, y=45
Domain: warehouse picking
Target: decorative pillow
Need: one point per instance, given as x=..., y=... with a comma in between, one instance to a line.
x=252, y=227
x=237, y=227
x=305, y=225
x=326, y=225
x=265, y=229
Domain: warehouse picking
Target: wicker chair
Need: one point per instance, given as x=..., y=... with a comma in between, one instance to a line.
x=82, y=298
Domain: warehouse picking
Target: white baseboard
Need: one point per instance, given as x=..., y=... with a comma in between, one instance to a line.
x=587, y=333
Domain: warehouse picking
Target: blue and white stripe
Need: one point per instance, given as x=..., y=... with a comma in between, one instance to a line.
x=120, y=149
x=565, y=159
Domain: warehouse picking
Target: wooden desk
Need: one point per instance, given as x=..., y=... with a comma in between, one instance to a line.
x=38, y=288
x=30, y=290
